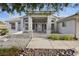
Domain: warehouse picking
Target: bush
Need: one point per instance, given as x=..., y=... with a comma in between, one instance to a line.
x=9, y=51
x=54, y=37
x=66, y=37
x=60, y=37
x=3, y=31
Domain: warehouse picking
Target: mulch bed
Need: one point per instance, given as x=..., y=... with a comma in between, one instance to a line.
x=47, y=52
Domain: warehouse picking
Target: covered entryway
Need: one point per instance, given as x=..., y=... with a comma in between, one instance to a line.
x=39, y=24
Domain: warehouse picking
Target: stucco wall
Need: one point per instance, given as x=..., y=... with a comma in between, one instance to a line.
x=68, y=29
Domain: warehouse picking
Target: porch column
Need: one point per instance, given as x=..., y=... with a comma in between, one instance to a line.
x=30, y=24
x=55, y=26
x=22, y=27
x=16, y=26
x=48, y=25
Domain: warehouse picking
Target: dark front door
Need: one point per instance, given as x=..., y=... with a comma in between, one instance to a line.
x=39, y=27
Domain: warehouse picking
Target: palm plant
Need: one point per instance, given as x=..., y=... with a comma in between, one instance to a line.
x=25, y=7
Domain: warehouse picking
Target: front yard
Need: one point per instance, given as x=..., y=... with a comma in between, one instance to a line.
x=38, y=46
x=18, y=40
x=14, y=51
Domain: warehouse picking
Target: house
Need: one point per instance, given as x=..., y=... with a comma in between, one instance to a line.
x=44, y=22
x=36, y=22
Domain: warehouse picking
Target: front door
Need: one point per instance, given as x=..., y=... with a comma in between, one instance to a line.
x=39, y=27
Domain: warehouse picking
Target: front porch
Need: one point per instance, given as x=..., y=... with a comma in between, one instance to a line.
x=40, y=24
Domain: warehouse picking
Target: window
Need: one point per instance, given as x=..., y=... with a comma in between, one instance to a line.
x=52, y=28
x=25, y=19
x=12, y=26
x=63, y=24
x=26, y=26
x=53, y=19
x=19, y=26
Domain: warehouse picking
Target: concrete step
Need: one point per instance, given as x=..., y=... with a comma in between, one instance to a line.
x=39, y=36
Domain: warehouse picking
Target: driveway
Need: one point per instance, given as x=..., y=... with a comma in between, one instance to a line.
x=39, y=43
x=46, y=43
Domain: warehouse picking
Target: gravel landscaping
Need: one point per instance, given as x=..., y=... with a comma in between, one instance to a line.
x=20, y=40
x=47, y=52
x=14, y=51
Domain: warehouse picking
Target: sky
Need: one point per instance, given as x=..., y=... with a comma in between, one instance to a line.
x=67, y=11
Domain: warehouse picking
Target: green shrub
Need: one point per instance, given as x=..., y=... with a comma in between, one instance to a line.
x=66, y=37
x=54, y=37
x=9, y=51
x=3, y=31
x=60, y=37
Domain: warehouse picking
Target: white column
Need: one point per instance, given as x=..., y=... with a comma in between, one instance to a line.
x=48, y=25
x=22, y=27
x=55, y=26
x=30, y=23
x=16, y=26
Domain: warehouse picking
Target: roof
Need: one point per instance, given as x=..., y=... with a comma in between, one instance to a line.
x=68, y=18
x=13, y=19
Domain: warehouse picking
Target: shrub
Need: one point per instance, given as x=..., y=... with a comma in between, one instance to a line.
x=66, y=37
x=54, y=37
x=3, y=31
x=60, y=37
x=9, y=51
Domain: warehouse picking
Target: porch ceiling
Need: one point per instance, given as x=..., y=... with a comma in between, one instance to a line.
x=39, y=19
x=36, y=18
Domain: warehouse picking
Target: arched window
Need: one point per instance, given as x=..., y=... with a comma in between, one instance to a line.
x=52, y=21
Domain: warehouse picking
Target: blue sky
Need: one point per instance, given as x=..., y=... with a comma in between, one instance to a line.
x=68, y=11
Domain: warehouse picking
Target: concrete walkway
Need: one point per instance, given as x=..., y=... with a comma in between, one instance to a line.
x=46, y=43
x=39, y=43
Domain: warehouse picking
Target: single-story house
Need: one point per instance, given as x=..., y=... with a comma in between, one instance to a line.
x=44, y=22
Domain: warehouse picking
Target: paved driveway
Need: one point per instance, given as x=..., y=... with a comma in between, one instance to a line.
x=46, y=43
x=39, y=43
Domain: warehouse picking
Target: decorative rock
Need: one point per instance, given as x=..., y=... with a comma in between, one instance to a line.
x=47, y=52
